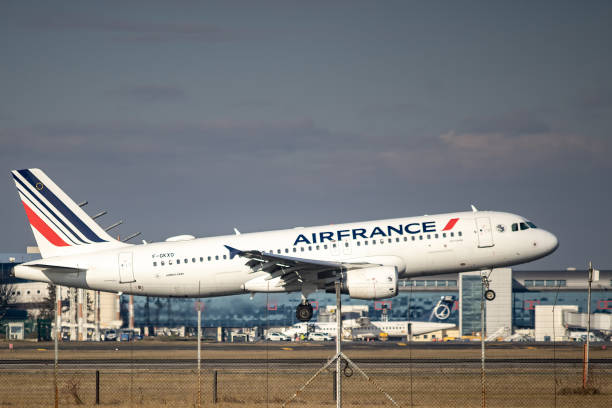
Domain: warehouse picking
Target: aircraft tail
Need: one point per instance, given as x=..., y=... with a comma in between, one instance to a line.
x=59, y=225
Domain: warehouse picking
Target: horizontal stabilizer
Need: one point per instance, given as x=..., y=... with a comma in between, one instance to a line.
x=59, y=268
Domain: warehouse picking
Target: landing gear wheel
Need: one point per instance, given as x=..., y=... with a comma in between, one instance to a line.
x=489, y=295
x=304, y=312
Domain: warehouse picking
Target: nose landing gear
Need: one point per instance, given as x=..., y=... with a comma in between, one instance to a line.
x=304, y=312
x=489, y=293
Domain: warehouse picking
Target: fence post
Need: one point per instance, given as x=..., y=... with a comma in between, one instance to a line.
x=97, y=387
x=334, y=385
x=215, y=387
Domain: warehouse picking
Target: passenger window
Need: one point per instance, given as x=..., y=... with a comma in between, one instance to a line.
x=365, y=242
x=294, y=249
x=428, y=236
x=154, y=263
x=420, y=237
x=382, y=241
x=178, y=261
x=317, y=247
x=193, y=260
x=302, y=249
x=452, y=234
x=209, y=258
x=460, y=233
x=346, y=244
x=334, y=245
x=444, y=235
x=373, y=242
x=286, y=250
x=224, y=256
x=310, y=248
x=278, y=251
x=170, y=262
x=406, y=239
x=436, y=236
x=201, y=259
x=325, y=246
x=216, y=257
x=413, y=238
x=358, y=243
x=515, y=227
x=523, y=226
x=390, y=240
x=186, y=260
x=397, y=239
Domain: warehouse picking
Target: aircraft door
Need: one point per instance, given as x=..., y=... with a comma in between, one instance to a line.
x=485, y=234
x=126, y=271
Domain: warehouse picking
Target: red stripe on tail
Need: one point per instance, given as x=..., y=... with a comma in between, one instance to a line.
x=451, y=224
x=43, y=228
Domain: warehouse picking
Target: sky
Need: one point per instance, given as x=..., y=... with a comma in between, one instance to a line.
x=192, y=117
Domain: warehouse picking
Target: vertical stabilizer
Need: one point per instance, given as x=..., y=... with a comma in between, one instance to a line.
x=59, y=225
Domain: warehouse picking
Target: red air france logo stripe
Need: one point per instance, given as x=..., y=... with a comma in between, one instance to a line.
x=451, y=224
x=43, y=228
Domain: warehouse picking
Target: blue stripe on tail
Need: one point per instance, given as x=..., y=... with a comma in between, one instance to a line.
x=50, y=211
x=61, y=207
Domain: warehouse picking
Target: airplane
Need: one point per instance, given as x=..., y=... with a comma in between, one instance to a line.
x=361, y=327
x=367, y=257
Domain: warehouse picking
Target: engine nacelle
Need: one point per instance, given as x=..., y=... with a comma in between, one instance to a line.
x=379, y=282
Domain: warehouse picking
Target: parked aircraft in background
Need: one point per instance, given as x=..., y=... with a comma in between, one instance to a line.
x=369, y=256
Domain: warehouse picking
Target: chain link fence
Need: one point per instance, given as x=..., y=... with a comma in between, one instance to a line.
x=413, y=375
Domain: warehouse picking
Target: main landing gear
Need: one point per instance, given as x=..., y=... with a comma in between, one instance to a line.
x=304, y=312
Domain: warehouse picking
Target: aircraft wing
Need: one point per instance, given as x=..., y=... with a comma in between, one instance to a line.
x=292, y=269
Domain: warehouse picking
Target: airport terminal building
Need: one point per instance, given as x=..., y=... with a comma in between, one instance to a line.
x=519, y=293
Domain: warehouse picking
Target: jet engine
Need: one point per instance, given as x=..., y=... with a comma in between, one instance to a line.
x=379, y=282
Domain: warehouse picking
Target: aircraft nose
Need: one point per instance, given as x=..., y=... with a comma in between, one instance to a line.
x=550, y=242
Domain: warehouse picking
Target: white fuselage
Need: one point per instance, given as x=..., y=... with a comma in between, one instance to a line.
x=202, y=267
x=371, y=329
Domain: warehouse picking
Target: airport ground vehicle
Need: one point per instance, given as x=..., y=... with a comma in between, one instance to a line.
x=276, y=336
x=316, y=336
x=128, y=335
x=110, y=335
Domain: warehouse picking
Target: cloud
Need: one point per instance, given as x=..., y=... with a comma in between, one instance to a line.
x=392, y=110
x=152, y=93
x=135, y=30
x=511, y=124
x=595, y=99
x=301, y=152
x=520, y=152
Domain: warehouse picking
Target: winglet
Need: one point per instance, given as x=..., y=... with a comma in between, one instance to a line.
x=233, y=251
x=474, y=209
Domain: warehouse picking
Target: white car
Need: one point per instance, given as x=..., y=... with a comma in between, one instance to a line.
x=276, y=336
x=110, y=335
x=320, y=337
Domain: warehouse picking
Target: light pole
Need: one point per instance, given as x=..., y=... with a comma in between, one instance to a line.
x=593, y=276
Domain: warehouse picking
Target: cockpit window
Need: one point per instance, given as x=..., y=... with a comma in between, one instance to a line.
x=515, y=227
x=523, y=226
x=531, y=224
